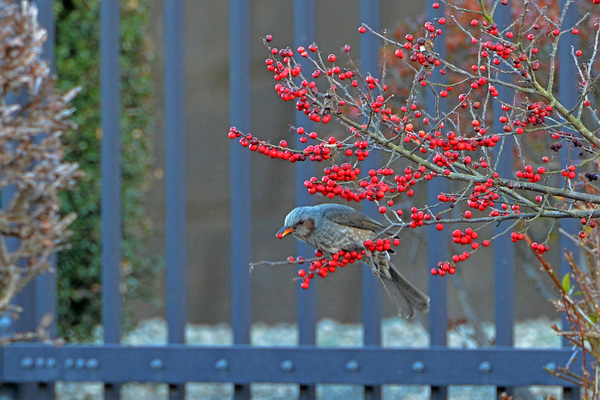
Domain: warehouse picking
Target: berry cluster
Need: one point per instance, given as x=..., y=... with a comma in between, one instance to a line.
x=483, y=195
x=324, y=266
x=446, y=267
x=410, y=178
x=465, y=237
x=516, y=236
x=374, y=187
x=528, y=173
x=569, y=172
x=537, y=113
x=538, y=247
x=318, y=152
x=262, y=147
x=443, y=268
x=588, y=222
x=418, y=217
x=329, y=186
x=381, y=244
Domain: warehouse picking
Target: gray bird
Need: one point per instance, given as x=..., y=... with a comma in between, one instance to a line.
x=334, y=227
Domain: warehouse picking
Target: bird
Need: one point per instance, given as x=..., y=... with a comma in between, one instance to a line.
x=333, y=227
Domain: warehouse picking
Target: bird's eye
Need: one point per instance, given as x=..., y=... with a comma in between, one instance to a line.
x=300, y=222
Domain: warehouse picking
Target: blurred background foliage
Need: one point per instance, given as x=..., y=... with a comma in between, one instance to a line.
x=77, y=64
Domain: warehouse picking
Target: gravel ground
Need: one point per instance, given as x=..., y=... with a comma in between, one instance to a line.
x=396, y=332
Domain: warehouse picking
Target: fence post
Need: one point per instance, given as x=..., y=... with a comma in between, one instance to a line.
x=371, y=287
x=568, y=95
x=175, y=172
x=438, y=288
x=306, y=301
x=110, y=156
x=239, y=98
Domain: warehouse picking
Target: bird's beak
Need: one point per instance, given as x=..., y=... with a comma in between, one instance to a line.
x=284, y=232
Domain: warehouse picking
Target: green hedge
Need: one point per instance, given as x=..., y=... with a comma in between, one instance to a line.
x=78, y=64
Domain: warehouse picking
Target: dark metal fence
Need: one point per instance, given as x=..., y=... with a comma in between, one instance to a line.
x=29, y=371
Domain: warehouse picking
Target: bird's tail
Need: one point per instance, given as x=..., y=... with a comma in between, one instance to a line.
x=406, y=297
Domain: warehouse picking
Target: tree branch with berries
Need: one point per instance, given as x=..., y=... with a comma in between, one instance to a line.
x=383, y=112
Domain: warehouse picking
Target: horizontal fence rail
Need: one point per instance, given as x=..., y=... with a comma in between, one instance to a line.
x=245, y=364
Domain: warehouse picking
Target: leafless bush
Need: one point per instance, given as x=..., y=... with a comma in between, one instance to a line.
x=32, y=172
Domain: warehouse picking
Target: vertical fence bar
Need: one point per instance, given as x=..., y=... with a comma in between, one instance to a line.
x=504, y=254
x=45, y=285
x=306, y=300
x=175, y=176
x=370, y=14
x=438, y=315
x=175, y=169
x=239, y=97
x=568, y=95
x=504, y=257
x=110, y=113
x=111, y=169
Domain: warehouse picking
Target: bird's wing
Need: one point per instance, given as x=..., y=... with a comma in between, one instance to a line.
x=350, y=217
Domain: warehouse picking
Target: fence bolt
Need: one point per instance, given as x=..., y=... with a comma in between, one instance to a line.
x=352, y=366
x=551, y=366
x=50, y=363
x=485, y=367
x=40, y=362
x=157, y=364
x=92, y=363
x=418, y=366
x=287, y=366
x=27, y=363
x=222, y=365
x=79, y=363
x=69, y=362
x=5, y=323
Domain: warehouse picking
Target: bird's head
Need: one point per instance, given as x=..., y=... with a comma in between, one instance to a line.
x=300, y=222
